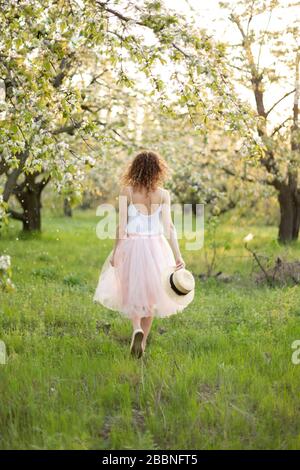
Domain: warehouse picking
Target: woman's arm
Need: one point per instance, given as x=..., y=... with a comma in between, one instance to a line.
x=121, y=227
x=170, y=230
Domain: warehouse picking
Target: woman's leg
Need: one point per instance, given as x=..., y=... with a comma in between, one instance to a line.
x=136, y=347
x=146, y=323
x=136, y=323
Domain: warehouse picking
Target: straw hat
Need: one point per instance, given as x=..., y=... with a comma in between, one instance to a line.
x=179, y=285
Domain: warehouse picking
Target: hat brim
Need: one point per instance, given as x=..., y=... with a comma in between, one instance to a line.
x=179, y=299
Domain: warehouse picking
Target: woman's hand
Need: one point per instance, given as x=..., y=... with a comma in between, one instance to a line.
x=180, y=263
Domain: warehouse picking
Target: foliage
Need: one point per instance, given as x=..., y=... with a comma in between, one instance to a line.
x=64, y=69
x=268, y=54
x=5, y=273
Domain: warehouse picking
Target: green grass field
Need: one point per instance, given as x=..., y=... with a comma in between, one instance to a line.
x=217, y=376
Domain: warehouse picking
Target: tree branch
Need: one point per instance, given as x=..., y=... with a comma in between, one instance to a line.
x=65, y=65
x=181, y=50
x=67, y=129
x=279, y=101
x=280, y=126
x=14, y=175
x=230, y=172
x=119, y=15
x=43, y=183
x=16, y=215
x=250, y=17
x=128, y=19
x=256, y=76
x=3, y=166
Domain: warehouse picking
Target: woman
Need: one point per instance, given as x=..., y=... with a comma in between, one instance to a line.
x=138, y=278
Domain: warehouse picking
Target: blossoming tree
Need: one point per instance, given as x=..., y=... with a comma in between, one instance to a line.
x=48, y=106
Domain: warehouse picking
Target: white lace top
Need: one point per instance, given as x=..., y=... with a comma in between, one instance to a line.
x=137, y=222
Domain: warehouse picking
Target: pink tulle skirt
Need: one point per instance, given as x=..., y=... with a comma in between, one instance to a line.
x=133, y=286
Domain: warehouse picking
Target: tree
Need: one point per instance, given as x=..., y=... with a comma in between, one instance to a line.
x=280, y=159
x=206, y=167
x=43, y=53
x=36, y=60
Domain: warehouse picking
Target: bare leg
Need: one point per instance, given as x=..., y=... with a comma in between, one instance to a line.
x=146, y=323
x=136, y=323
x=136, y=347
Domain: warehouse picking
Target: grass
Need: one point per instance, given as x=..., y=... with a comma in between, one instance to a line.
x=217, y=376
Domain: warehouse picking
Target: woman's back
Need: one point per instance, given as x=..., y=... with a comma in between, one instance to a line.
x=144, y=212
x=145, y=202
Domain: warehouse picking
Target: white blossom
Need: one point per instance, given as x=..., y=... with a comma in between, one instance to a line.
x=4, y=262
x=248, y=237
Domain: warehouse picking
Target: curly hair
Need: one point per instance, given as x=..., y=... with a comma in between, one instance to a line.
x=146, y=170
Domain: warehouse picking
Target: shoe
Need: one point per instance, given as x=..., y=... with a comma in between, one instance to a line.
x=136, y=348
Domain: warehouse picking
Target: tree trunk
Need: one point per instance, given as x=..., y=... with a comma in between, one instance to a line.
x=29, y=195
x=31, y=204
x=289, y=202
x=67, y=208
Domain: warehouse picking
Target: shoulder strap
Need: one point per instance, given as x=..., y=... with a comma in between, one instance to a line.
x=130, y=192
x=161, y=196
